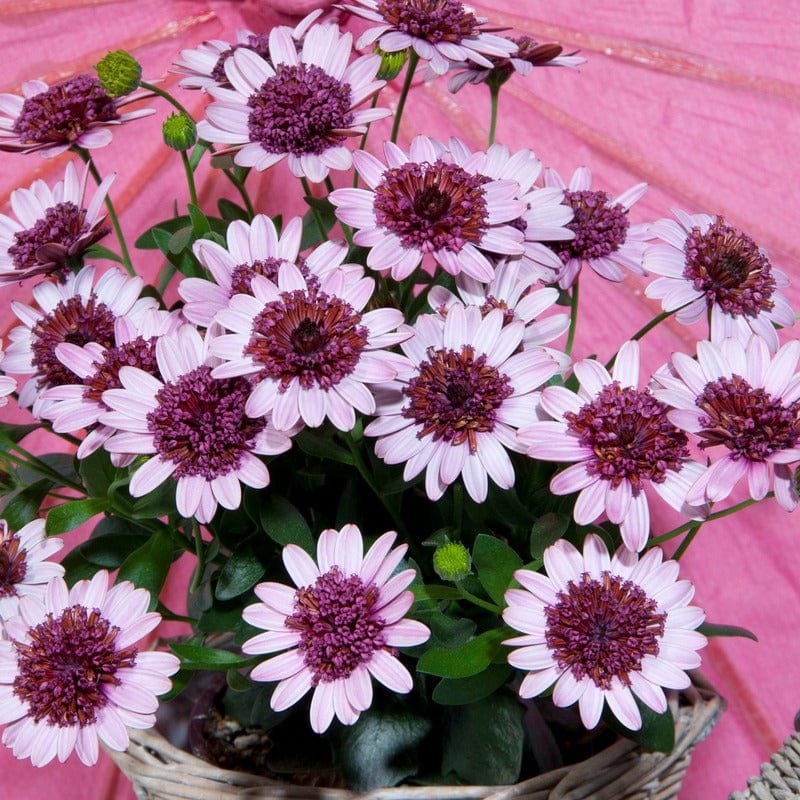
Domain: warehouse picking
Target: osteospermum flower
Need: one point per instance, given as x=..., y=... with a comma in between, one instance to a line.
x=309, y=347
x=340, y=627
x=76, y=310
x=193, y=426
x=706, y=263
x=53, y=227
x=71, y=675
x=204, y=65
x=24, y=568
x=456, y=405
x=621, y=440
x=252, y=249
x=604, y=630
x=51, y=119
x=301, y=107
x=604, y=238
x=745, y=401
x=439, y=31
x=425, y=204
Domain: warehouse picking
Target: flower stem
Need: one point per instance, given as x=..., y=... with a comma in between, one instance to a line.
x=36, y=465
x=688, y=539
x=190, y=179
x=467, y=595
x=687, y=526
x=642, y=331
x=573, y=319
x=411, y=66
x=200, y=552
x=494, y=92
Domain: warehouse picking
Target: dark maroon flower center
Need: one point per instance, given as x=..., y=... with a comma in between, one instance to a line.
x=433, y=20
x=73, y=321
x=139, y=352
x=337, y=623
x=456, y=396
x=630, y=435
x=301, y=109
x=62, y=674
x=307, y=336
x=602, y=629
x=65, y=111
x=747, y=420
x=432, y=206
x=242, y=277
x=13, y=565
x=730, y=269
x=600, y=228
x=200, y=424
x=257, y=42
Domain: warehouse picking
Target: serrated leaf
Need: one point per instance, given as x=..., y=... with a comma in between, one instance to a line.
x=147, y=567
x=713, y=629
x=468, y=659
x=460, y=691
x=495, y=563
x=241, y=571
x=68, y=516
x=284, y=524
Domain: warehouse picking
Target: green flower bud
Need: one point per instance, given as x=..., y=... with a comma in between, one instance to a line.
x=452, y=562
x=391, y=63
x=119, y=73
x=179, y=131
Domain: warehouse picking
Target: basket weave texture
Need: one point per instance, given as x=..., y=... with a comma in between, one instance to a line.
x=160, y=771
x=780, y=777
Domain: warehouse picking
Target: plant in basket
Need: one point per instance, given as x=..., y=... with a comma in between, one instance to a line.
x=419, y=523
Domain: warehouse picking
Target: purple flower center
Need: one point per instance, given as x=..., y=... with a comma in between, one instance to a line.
x=301, y=109
x=200, y=424
x=242, y=277
x=748, y=421
x=433, y=20
x=307, y=336
x=13, y=565
x=729, y=268
x=63, y=672
x=337, y=623
x=456, y=396
x=139, y=352
x=600, y=228
x=257, y=42
x=602, y=629
x=432, y=207
x=65, y=111
x=630, y=435
x=73, y=321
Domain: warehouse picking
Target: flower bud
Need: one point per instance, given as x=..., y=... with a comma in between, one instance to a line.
x=179, y=131
x=119, y=73
x=452, y=562
x=391, y=63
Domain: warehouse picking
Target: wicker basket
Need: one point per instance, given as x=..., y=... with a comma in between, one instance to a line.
x=160, y=771
x=780, y=777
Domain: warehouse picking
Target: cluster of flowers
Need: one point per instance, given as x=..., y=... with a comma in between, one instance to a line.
x=274, y=340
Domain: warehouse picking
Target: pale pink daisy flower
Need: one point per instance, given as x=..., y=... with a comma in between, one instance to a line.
x=604, y=630
x=24, y=568
x=74, y=406
x=204, y=65
x=192, y=425
x=456, y=405
x=621, y=440
x=513, y=295
x=52, y=229
x=439, y=31
x=253, y=248
x=72, y=113
x=71, y=675
x=424, y=204
x=75, y=310
x=7, y=384
x=340, y=627
x=707, y=264
x=309, y=347
x=604, y=238
x=746, y=401
x=301, y=107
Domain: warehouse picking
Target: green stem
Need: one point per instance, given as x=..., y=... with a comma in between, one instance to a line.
x=411, y=66
x=126, y=256
x=190, y=179
x=684, y=545
x=643, y=330
x=477, y=600
x=315, y=211
x=200, y=552
x=239, y=184
x=151, y=87
x=494, y=92
x=573, y=318
x=665, y=537
x=40, y=467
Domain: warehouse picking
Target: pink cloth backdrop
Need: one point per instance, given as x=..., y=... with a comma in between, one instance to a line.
x=699, y=99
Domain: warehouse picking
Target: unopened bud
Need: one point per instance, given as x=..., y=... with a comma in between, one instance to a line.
x=179, y=131
x=119, y=73
x=452, y=562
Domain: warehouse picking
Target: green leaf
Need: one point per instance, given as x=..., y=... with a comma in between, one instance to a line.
x=483, y=741
x=468, y=659
x=180, y=240
x=446, y=632
x=21, y=506
x=97, y=473
x=382, y=748
x=547, y=530
x=460, y=691
x=76, y=567
x=111, y=550
x=495, y=563
x=220, y=618
x=158, y=503
x=657, y=731
x=284, y=524
x=98, y=251
x=242, y=571
x=200, y=223
x=194, y=656
x=16, y=433
x=231, y=211
x=70, y=515
x=157, y=237
x=321, y=209
x=320, y=446
x=713, y=629
x=147, y=566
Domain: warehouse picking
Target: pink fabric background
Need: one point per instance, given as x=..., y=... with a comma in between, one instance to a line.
x=699, y=99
